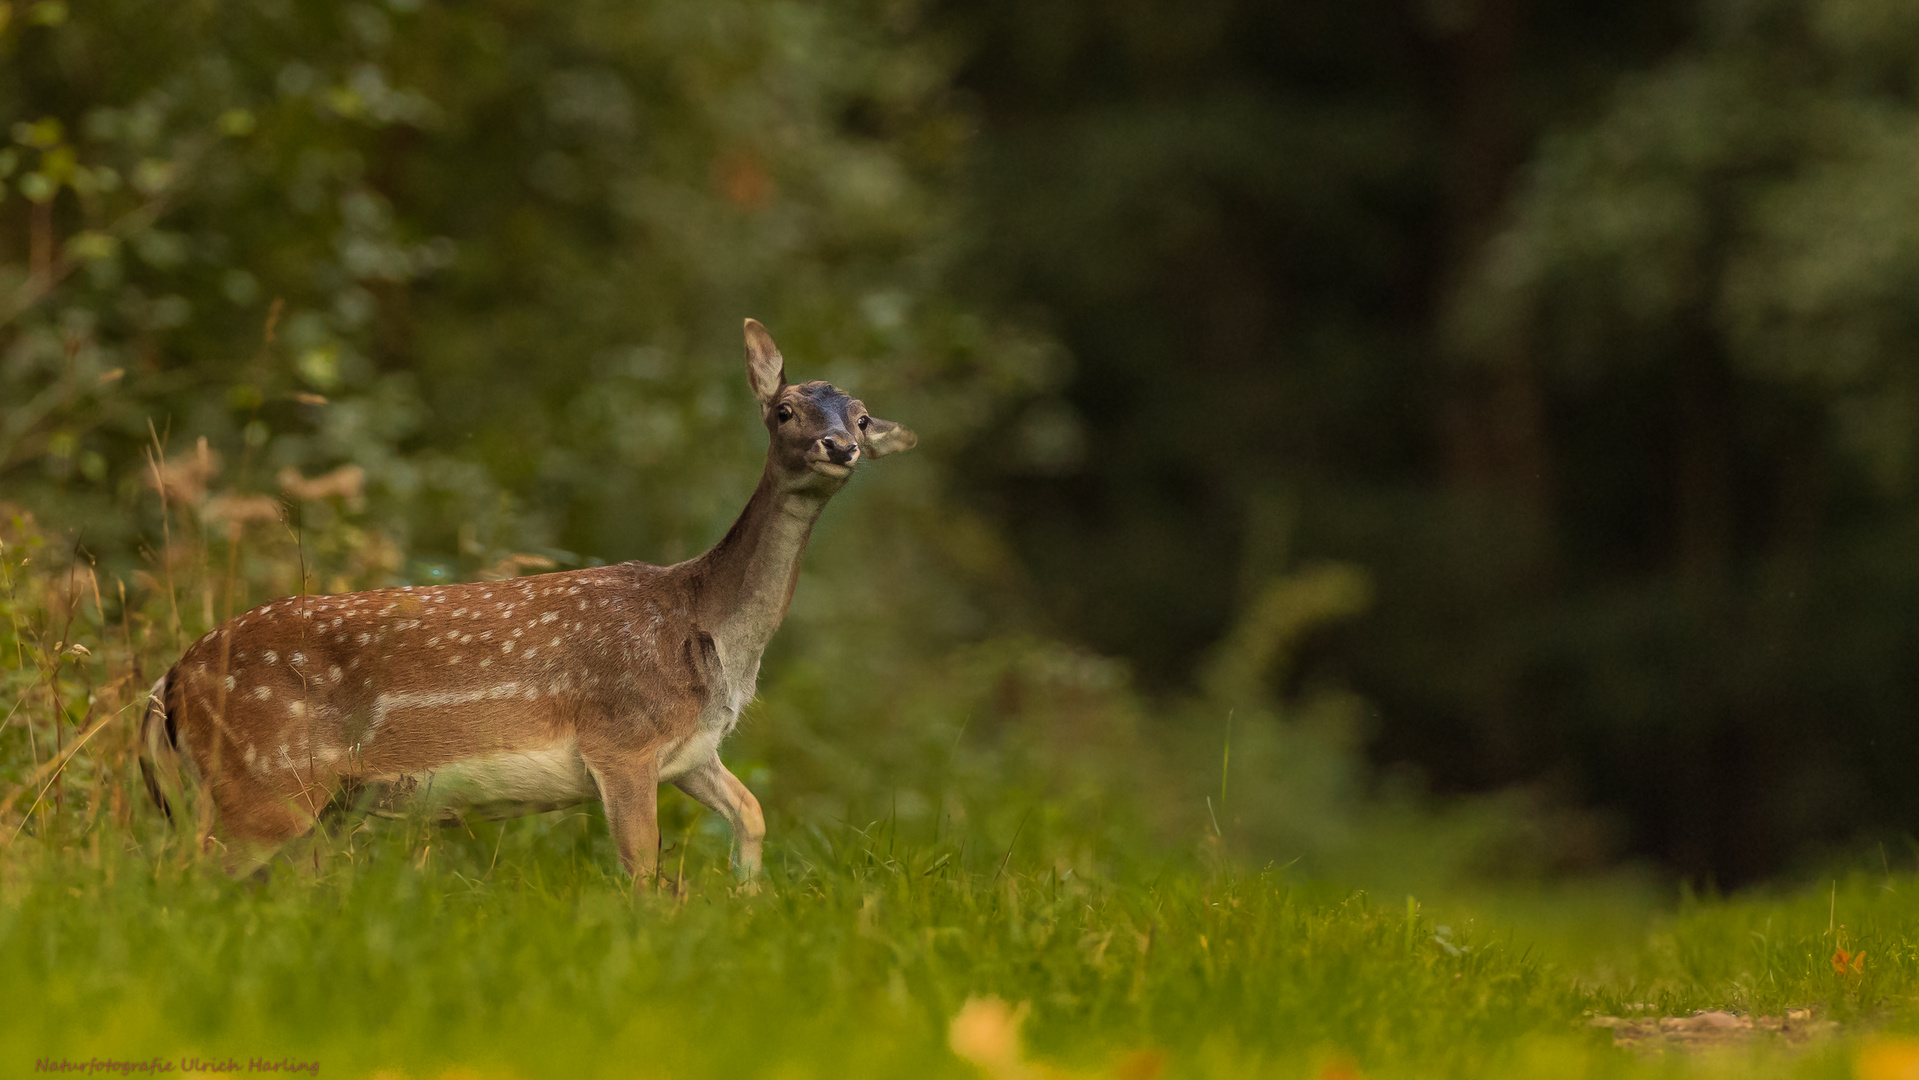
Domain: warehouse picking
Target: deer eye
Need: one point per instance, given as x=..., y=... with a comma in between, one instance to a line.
x=863, y=421
x=785, y=413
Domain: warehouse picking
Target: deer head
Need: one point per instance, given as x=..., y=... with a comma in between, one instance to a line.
x=819, y=434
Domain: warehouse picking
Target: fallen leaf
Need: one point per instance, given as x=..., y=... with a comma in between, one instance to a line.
x=1888, y=1059
x=986, y=1033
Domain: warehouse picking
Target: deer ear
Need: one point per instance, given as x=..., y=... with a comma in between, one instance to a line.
x=882, y=437
x=765, y=368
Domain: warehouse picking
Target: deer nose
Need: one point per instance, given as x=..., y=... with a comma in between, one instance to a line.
x=840, y=452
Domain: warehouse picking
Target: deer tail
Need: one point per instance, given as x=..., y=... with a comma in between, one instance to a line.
x=160, y=764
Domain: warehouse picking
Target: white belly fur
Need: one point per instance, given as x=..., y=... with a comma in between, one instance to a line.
x=551, y=775
x=525, y=781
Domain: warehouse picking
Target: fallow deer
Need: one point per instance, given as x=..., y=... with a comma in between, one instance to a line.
x=511, y=697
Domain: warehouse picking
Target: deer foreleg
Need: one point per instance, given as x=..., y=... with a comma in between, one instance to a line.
x=716, y=788
x=630, y=786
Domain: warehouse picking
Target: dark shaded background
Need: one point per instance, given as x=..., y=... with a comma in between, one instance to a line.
x=1588, y=331
x=1619, y=552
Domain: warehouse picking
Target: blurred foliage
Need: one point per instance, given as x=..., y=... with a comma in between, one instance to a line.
x=1712, y=286
x=1587, y=331
x=495, y=257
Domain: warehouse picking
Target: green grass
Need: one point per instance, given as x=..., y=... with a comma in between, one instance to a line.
x=512, y=951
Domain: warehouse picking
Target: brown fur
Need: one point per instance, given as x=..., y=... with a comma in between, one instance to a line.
x=333, y=688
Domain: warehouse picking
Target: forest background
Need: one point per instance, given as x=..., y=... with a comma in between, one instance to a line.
x=1339, y=421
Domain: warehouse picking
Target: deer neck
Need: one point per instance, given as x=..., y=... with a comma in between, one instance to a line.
x=745, y=583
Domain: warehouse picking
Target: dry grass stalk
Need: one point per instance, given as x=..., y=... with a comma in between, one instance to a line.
x=346, y=483
x=69, y=664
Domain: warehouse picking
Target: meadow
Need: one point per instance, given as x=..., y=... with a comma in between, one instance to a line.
x=511, y=950
x=1037, y=900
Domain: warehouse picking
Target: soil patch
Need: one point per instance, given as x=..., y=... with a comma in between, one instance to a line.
x=1713, y=1028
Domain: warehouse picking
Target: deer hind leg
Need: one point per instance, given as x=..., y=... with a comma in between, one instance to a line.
x=715, y=787
x=255, y=822
x=629, y=783
x=243, y=815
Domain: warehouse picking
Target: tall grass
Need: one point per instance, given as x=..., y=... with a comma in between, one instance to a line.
x=82, y=643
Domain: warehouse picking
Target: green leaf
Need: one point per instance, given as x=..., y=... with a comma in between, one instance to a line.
x=236, y=122
x=152, y=175
x=90, y=245
x=38, y=187
x=59, y=163
x=40, y=134
x=320, y=366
